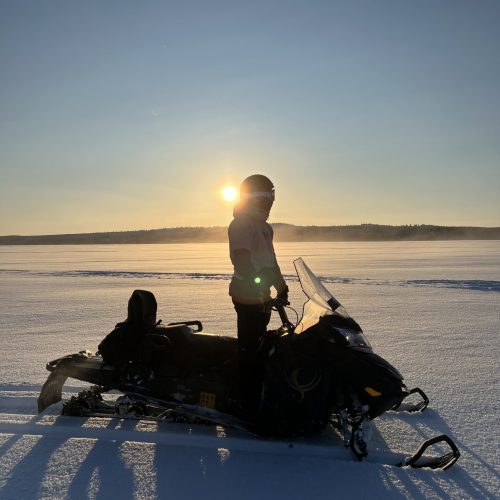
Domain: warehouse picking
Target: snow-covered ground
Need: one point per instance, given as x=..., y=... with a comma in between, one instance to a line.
x=431, y=308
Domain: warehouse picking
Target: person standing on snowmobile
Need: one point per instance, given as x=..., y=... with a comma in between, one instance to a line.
x=256, y=270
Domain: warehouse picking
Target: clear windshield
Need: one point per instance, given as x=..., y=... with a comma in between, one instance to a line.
x=321, y=302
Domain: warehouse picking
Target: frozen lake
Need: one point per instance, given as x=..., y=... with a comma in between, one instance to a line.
x=431, y=308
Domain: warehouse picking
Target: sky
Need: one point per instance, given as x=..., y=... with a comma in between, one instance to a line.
x=124, y=115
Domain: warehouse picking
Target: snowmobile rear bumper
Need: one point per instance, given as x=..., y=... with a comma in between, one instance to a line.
x=51, y=391
x=82, y=366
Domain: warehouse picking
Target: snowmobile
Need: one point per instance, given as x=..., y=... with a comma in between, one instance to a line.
x=321, y=372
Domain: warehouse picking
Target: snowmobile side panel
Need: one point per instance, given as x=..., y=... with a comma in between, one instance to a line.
x=211, y=388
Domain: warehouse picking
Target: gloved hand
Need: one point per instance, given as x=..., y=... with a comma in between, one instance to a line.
x=282, y=296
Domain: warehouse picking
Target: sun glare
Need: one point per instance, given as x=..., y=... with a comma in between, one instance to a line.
x=229, y=193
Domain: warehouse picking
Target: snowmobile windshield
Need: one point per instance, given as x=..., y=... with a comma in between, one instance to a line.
x=321, y=302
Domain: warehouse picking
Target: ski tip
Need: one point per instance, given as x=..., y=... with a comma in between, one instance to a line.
x=413, y=407
x=441, y=462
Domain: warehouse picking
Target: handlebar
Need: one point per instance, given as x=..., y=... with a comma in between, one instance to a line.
x=287, y=327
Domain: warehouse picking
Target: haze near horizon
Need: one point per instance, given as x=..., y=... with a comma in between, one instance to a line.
x=124, y=115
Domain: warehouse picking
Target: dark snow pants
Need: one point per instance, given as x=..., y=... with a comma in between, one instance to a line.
x=252, y=321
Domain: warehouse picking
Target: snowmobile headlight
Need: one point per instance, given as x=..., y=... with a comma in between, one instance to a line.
x=359, y=340
x=354, y=338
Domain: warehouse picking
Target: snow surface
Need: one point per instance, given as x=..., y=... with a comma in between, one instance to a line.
x=430, y=308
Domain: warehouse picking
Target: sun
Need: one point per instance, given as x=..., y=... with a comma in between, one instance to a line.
x=229, y=193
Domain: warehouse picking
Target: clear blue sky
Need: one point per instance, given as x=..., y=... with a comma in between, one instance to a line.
x=122, y=115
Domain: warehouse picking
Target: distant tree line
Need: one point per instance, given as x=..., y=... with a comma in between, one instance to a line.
x=376, y=232
x=283, y=232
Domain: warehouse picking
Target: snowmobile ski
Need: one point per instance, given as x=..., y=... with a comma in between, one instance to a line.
x=412, y=407
x=445, y=461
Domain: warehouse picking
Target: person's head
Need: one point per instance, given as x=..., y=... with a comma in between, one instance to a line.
x=257, y=190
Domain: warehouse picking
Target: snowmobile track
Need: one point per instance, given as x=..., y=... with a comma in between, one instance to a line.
x=17, y=417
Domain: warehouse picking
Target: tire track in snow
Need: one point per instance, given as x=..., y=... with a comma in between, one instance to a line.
x=475, y=285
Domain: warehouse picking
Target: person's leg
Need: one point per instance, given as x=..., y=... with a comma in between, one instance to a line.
x=252, y=321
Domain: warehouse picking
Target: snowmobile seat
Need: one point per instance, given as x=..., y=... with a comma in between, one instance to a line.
x=179, y=336
x=213, y=350
x=195, y=352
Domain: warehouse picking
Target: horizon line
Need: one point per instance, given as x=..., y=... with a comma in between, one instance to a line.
x=363, y=224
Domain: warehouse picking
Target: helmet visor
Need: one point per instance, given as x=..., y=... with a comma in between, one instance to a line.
x=262, y=194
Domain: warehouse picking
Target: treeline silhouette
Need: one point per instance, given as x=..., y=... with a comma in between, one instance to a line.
x=283, y=232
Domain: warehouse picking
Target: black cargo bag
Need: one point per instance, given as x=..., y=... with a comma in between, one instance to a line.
x=124, y=343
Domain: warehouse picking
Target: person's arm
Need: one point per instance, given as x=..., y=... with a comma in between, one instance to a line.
x=242, y=263
x=241, y=234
